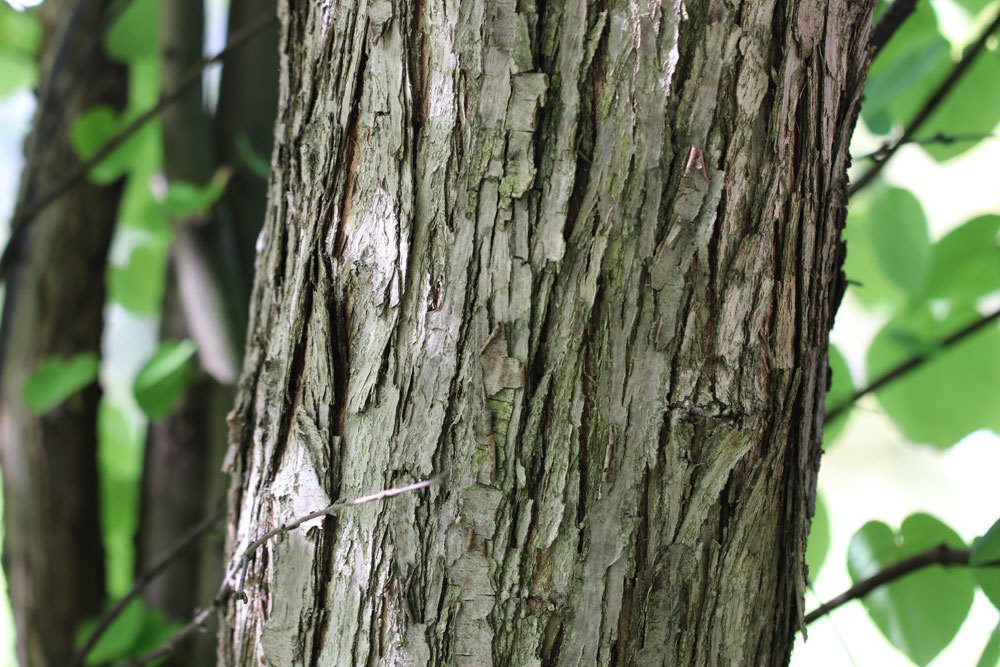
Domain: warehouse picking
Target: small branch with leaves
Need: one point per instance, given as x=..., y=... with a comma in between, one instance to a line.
x=889, y=23
x=178, y=549
x=930, y=106
x=939, y=139
x=912, y=363
x=22, y=218
x=941, y=554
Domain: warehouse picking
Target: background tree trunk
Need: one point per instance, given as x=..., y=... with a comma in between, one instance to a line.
x=205, y=298
x=54, y=308
x=582, y=258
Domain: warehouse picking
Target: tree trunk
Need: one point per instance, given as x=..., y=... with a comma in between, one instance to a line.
x=54, y=308
x=581, y=258
x=206, y=297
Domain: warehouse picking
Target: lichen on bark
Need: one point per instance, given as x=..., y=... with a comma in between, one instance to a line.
x=579, y=257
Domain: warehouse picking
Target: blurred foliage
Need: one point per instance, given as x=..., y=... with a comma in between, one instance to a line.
x=925, y=291
x=20, y=34
x=54, y=380
x=162, y=380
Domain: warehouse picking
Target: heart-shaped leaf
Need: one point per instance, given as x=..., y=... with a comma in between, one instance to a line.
x=921, y=612
x=54, y=380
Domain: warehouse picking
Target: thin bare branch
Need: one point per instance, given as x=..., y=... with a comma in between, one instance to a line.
x=931, y=105
x=180, y=547
x=196, y=624
x=939, y=138
x=912, y=364
x=238, y=568
x=889, y=23
x=939, y=555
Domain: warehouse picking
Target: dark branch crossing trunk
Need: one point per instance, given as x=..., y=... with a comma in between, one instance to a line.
x=581, y=257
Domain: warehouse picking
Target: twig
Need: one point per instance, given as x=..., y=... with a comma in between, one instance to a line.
x=196, y=624
x=157, y=568
x=889, y=23
x=23, y=217
x=910, y=364
x=939, y=555
x=932, y=103
x=939, y=138
x=238, y=568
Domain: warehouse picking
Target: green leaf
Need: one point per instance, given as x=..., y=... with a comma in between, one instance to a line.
x=888, y=247
x=17, y=72
x=254, y=161
x=986, y=551
x=841, y=390
x=991, y=652
x=988, y=580
x=920, y=613
x=118, y=639
x=966, y=263
x=162, y=380
x=91, y=130
x=140, y=209
x=819, y=539
x=987, y=548
x=185, y=199
x=54, y=380
x=119, y=455
x=138, y=286
x=135, y=34
x=20, y=32
x=905, y=71
x=898, y=231
x=956, y=391
x=972, y=107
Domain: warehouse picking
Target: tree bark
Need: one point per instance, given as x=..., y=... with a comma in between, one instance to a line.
x=54, y=307
x=580, y=257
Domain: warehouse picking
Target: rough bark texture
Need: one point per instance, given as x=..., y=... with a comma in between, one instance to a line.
x=581, y=258
x=54, y=308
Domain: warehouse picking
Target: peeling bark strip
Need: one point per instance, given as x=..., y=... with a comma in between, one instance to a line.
x=579, y=257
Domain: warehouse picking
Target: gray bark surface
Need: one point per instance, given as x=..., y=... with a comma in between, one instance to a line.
x=53, y=307
x=580, y=257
